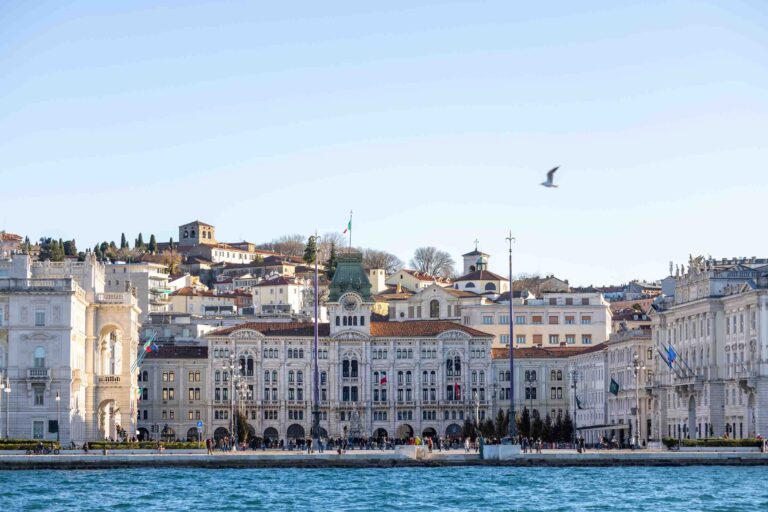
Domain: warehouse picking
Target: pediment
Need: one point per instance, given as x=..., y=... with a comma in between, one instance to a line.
x=454, y=334
x=350, y=335
x=36, y=336
x=246, y=334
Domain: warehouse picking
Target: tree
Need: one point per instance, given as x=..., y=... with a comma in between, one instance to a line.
x=310, y=250
x=139, y=242
x=330, y=265
x=537, y=426
x=546, y=429
x=524, y=423
x=243, y=432
x=469, y=429
x=373, y=258
x=335, y=239
x=170, y=244
x=557, y=428
x=487, y=428
x=123, y=241
x=152, y=244
x=51, y=250
x=70, y=249
x=287, y=245
x=502, y=424
x=567, y=428
x=433, y=262
x=172, y=261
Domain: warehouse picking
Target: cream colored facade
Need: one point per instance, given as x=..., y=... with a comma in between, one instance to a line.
x=150, y=281
x=199, y=302
x=622, y=408
x=570, y=319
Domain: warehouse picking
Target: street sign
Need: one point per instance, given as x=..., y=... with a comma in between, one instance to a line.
x=200, y=424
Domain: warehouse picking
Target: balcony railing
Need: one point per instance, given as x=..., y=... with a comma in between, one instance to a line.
x=115, y=298
x=39, y=373
x=41, y=285
x=106, y=379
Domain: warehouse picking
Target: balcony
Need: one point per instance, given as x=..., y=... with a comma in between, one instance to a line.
x=109, y=379
x=39, y=373
x=38, y=285
x=120, y=298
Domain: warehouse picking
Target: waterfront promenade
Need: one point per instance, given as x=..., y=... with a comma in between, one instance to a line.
x=369, y=459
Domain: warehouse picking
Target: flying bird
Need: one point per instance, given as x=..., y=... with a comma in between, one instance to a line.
x=550, y=183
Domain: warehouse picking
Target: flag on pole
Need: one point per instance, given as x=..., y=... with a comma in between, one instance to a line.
x=614, y=389
x=671, y=354
x=349, y=226
x=456, y=391
x=383, y=379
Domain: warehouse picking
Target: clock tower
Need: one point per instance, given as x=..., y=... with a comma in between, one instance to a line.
x=349, y=298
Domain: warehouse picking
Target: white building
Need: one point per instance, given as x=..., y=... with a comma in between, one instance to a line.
x=150, y=280
x=69, y=338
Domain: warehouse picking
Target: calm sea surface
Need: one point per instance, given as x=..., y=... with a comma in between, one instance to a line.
x=614, y=489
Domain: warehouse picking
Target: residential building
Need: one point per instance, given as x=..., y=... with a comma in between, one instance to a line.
x=590, y=385
x=150, y=281
x=414, y=281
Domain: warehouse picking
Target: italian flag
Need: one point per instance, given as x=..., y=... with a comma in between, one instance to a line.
x=349, y=226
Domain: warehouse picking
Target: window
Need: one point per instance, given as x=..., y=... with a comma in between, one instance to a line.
x=569, y=301
x=39, y=393
x=37, y=429
x=520, y=339
x=520, y=319
x=39, y=318
x=487, y=320
x=586, y=319
x=554, y=339
x=39, y=361
x=504, y=339
x=434, y=308
x=537, y=320
x=504, y=319
x=570, y=320
x=585, y=301
x=570, y=339
x=586, y=339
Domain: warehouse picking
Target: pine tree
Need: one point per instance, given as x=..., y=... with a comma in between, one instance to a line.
x=139, y=242
x=568, y=430
x=123, y=241
x=524, y=423
x=170, y=244
x=546, y=429
x=152, y=244
x=501, y=428
x=330, y=266
x=310, y=250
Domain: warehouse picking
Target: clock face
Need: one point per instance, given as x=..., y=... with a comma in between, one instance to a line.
x=349, y=303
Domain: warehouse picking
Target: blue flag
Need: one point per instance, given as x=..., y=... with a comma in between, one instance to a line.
x=671, y=355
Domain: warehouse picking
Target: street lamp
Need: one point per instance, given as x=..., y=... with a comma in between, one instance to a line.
x=7, y=406
x=2, y=390
x=315, y=431
x=58, y=417
x=574, y=380
x=512, y=431
x=231, y=367
x=636, y=366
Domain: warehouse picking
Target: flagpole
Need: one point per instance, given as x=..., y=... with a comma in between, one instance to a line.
x=316, y=390
x=512, y=429
x=350, y=229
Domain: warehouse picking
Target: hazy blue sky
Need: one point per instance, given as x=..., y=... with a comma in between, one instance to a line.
x=435, y=121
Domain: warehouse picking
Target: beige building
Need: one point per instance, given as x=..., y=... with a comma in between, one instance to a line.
x=414, y=281
x=201, y=302
x=569, y=319
x=150, y=281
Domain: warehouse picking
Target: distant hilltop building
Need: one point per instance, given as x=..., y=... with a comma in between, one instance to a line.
x=197, y=242
x=9, y=244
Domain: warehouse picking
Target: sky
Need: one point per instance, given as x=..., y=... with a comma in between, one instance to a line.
x=434, y=121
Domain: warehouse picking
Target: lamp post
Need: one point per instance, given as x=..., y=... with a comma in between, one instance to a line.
x=7, y=406
x=512, y=430
x=231, y=367
x=316, y=372
x=636, y=366
x=58, y=417
x=574, y=380
x=2, y=391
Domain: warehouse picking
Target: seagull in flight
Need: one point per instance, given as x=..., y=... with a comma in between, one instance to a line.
x=550, y=183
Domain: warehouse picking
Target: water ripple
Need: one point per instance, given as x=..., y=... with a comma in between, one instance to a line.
x=711, y=489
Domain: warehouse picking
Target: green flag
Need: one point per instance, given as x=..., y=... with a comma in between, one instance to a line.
x=614, y=389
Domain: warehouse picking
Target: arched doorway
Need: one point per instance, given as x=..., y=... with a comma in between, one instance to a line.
x=270, y=433
x=192, y=435
x=453, y=431
x=220, y=433
x=296, y=431
x=323, y=433
x=143, y=434
x=109, y=419
x=692, y=417
x=751, y=420
x=429, y=432
x=404, y=431
x=380, y=433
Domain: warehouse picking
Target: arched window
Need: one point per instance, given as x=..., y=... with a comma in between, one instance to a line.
x=186, y=233
x=354, y=368
x=323, y=377
x=345, y=320
x=274, y=376
x=192, y=233
x=300, y=377
x=354, y=320
x=432, y=376
x=533, y=374
x=490, y=287
x=424, y=377
x=338, y=320
x=457, y=366
x=266, y=376
x=434, y=308
x=362, y=320
x=144, y=376
x=290, y=377
x=449, y=367
x=469, y=285
x=410, y=353
x=39, y=361
x=345, y=368
x=408, y=377
x=301, y=353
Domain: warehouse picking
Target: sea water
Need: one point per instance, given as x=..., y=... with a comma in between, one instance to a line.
x=397, y=489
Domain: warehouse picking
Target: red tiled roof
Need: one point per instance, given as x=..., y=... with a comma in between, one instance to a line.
x=544, y=352
x=482, y=275
x=179, y=352
x=276, y=281
x=425, y=277
x=420, y=328
x=189, y=291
